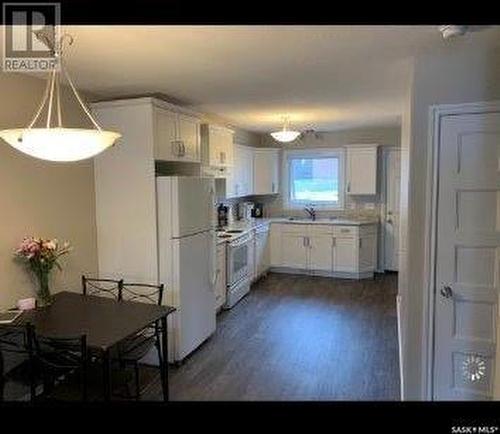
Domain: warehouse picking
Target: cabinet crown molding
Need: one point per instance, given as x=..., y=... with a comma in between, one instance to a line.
x=127, y=102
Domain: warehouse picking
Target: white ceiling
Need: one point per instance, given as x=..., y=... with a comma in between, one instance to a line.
x=323, y=77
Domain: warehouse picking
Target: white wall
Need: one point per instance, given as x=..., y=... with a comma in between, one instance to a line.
x=462, y=70
x=41, y=198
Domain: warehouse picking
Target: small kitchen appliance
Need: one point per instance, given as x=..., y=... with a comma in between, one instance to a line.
x=257, y=210
x=222, y=212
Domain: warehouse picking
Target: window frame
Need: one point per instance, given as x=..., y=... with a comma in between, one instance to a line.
x=313, y=153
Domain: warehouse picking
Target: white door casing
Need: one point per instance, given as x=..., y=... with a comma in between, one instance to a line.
x=390, y=223
x=467, y=256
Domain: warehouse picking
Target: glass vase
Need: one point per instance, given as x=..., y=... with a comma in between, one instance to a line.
x=44, y=298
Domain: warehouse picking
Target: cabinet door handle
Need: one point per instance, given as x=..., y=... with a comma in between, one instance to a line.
x=348, y=187
x=183, y=148
x=360, y=242
x=272, y=190
x=175, y=147
x=334, y=242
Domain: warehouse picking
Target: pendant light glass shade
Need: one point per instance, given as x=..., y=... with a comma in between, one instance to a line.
x=58, y=143
x=285, y=135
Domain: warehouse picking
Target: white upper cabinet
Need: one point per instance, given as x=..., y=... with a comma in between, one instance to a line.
x=166, y=145
x=177, y=136
x=217, y=145
x=265, y=171
x=361, y=170
x=189, y=135
x=240, y=180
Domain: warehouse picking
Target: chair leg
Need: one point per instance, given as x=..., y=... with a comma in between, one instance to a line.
x=2, y=380
x=2, y=383
x=137, y=382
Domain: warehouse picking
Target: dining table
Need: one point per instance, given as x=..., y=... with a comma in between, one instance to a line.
x=105, y=322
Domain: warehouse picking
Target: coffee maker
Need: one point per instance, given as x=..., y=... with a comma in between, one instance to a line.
x=222, y=215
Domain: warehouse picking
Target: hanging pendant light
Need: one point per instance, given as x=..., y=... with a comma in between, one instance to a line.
x=285, y=135
x=58, y=143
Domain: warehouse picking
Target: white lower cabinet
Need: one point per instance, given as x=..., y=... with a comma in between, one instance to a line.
x=345, y=255
x=321, y=252
x=251, y=256
x=294, y=251
x=339, y=251
x=220, y=284
x=262, y=251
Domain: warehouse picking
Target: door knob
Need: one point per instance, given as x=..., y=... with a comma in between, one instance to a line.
x=446, y=291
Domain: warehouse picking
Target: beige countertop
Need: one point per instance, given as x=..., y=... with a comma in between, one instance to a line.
x=248, y=225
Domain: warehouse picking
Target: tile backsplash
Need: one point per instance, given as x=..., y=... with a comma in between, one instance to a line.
x=359, y=207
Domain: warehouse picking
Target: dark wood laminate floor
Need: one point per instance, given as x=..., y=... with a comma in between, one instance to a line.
x=297, y=338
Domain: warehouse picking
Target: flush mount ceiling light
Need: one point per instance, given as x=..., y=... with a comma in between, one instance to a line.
x=285, y=135
x=58, y=143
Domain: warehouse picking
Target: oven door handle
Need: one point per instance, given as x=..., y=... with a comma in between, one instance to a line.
x=239, y=242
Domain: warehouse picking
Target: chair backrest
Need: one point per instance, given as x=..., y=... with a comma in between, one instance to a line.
x=142, y=292
x=57, y=355
x=13, y=339
x=13, y=349
x=108, y=288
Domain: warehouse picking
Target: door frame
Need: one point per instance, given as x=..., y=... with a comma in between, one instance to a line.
x=436, y=113
x=385, y=150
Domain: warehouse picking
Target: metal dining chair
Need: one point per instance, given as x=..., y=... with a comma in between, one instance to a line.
x=132, y=350
x=59, y=361
x=13, y=345
x=109, y=288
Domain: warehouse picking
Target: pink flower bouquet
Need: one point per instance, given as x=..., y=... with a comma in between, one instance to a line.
x=41, y=256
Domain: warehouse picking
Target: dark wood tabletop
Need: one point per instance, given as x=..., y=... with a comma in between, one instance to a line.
x=104, y=321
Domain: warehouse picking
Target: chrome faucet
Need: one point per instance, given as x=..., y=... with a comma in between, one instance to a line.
x=311, y=211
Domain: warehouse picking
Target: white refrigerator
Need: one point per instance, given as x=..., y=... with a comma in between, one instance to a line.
x=186, y=259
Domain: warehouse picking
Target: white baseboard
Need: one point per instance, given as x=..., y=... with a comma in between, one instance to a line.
x=400, y=347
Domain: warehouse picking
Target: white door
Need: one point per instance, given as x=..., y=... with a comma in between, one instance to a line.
x=390, y=223
x=294, y=251
x=345, y=255
x=321, y=252
x=467, y=257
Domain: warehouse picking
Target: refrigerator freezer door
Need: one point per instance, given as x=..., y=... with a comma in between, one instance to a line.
x=186, y=205
x=187, y=268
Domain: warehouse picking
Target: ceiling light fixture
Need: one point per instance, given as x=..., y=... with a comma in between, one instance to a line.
x=58, y=143
x=285, y=135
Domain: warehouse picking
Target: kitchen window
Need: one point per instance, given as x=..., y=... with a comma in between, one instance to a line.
x=314, y=177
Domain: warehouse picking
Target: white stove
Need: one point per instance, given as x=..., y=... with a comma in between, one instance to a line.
x=238, y=264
